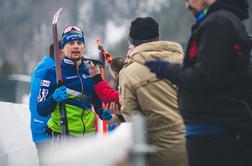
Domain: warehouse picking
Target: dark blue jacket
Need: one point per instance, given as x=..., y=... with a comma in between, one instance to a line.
x=81, y=97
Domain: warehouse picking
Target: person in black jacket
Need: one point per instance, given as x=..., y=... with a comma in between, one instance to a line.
x=215, y=91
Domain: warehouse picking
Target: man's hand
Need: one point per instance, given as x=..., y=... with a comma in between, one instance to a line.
x=114, y=120
x=114, y=108
x=60, y=94
x=106, y=115
x=93, y=69
x=157, y=67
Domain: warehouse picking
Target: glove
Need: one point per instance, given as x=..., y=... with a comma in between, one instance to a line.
x=60, y=94
x=157, y=67
x=106, y=115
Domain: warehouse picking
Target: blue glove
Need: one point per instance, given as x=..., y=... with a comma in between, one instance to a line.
x=60, y=94
x=157, y=67
x=106, y=115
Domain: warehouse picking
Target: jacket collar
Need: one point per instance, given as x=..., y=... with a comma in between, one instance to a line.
x=201, y=16
x=66, y=62
x=237, y=7
x=158, y=50
x=240, y=11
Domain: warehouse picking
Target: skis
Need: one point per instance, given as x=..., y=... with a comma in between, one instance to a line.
x=57, y=52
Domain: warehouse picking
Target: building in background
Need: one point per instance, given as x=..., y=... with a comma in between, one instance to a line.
x=15, y=88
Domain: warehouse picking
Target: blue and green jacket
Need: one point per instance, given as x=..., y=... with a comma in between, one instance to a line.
x=81, y=97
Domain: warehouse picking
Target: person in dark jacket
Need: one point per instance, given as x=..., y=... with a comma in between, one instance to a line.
x=215, y=94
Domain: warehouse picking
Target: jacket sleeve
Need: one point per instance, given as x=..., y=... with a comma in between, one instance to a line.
x=104, y=91
x=97, y=103
x=46, y=103
x=213, y=58
x=128, y=97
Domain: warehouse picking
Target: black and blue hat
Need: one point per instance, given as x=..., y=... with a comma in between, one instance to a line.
x=71, y=33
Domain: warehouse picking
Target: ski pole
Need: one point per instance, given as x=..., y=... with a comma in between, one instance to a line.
x=57, y=52
x=102, y=59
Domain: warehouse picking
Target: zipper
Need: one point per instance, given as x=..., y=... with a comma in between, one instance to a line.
x=247, y=107
x=83, y=123
x=245, y=104
x=82, y=87
x=82, y=91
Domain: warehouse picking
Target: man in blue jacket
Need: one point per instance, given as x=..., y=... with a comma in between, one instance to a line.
x=38, y=123
x=77, y=91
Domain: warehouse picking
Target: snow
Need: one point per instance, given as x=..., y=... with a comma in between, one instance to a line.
x=16, y=146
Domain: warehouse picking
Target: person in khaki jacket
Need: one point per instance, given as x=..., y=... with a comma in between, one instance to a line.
x=142, y=92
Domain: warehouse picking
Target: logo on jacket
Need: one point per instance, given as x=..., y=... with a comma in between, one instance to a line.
x=45, y=83
x=85, y=76
x=42, y=94
x=238, y=50
x=67, y=61
x=193, y=50
x=71, y=77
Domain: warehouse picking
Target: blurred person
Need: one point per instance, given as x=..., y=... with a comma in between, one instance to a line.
x=38, y=123
x=215, y=94
x=102, y=88
x=115, y=67
x=77, y=91
x=108, y=94
x=141, y=92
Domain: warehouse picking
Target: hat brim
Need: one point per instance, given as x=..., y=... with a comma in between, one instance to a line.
x=138, y=42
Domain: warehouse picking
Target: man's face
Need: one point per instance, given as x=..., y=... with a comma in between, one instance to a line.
x=74, y=50
x=128, y=57
x=196, y=6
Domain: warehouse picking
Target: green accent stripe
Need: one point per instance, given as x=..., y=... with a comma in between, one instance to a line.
x=75, y=117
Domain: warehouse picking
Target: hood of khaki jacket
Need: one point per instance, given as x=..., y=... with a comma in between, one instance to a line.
x=159, y=50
